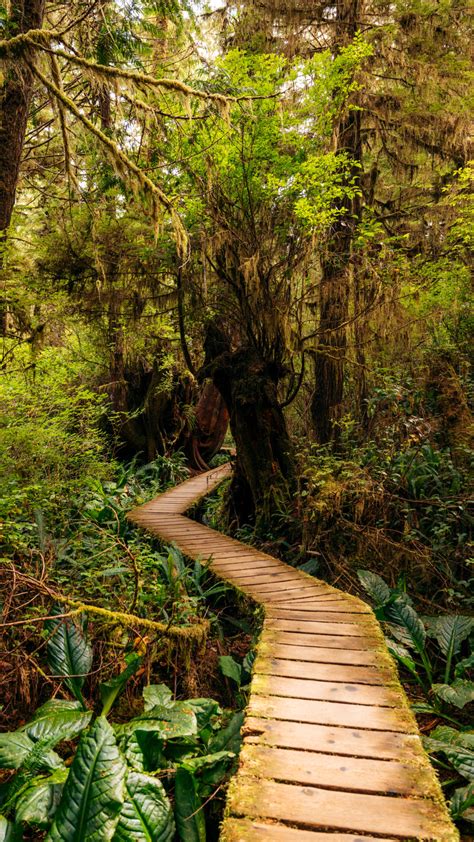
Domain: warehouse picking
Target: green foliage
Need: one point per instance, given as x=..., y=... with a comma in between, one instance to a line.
x=146, y=813
x=412, y=632
x=110, y=690
x=110, y=790
x=69, y=653
x=94, y=791
x=58, y=719
x=189, y=815
x=458, y=748
x=50, y=444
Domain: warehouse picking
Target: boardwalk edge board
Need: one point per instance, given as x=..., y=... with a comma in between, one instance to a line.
x=316, y=763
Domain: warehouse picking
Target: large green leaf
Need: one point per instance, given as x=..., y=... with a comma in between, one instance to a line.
x=69, y=653
x=402, y=614
x=231, y=669
x=16, y=747
x=456, y=746
x=146, y=815
x=58, y=720
x=37, y=803
x=157, y=695
x=132, y=751
x=451, y=735
x=401, y=654
x=209, y=770
x=94, y=791
x=450, y=631
x=462, y=803
x=459, y=693
x=167, y=722
x=206, y=710
x=375, y=586
x=188, y=808
x=144, y=751
x=228, y=738
x=109, y=690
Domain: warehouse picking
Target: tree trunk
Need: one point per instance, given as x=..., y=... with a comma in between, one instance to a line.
x=264, y=478
x=326, y=404
x=15, y=96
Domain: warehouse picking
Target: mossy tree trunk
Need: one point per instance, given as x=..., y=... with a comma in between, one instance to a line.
x=334, y=291
x=264, y=478
x=15, y=96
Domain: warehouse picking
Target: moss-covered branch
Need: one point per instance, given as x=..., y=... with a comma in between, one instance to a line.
x=123, y=165
x=197, y=631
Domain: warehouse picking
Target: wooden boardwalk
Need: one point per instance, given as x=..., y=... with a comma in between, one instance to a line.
x=331, y=750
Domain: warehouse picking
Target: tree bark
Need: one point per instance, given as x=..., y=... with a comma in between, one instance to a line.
x=15, y=97
x=326, y=404
x=264, y=477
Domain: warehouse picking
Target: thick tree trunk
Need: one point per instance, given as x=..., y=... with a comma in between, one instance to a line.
x=264, y=478
x=15, y=96
x=326, y=405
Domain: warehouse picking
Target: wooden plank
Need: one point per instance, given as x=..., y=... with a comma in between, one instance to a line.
x=328, y=604
x=305, y=626
x=318, y=615
x=331, y=713
x=304, y=590
x=400, y=817
x=272, y=590
x=246, y=566
x=322, y=655
x=341, y=740
x=321, y=672
x=328, y=770
x=245, y=830
x=325, y=640
x=267, y=578
x=325, y=691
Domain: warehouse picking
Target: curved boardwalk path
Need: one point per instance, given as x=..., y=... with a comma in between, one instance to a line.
x=331, y=751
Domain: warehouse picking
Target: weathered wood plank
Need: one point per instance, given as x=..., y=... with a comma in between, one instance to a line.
x=325, y=691
x=318, y=627
x=321, y=672
x=320, y=614
x=244, y=830
x=322, y=655
x=331, y=713
x=328, y=770
x=323, y=639
x=346, y=741
x=327, y=808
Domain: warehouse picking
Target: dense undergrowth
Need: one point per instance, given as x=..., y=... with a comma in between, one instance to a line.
x=98, y=619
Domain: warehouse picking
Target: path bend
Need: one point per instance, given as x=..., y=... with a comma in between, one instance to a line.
x=331, y=751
